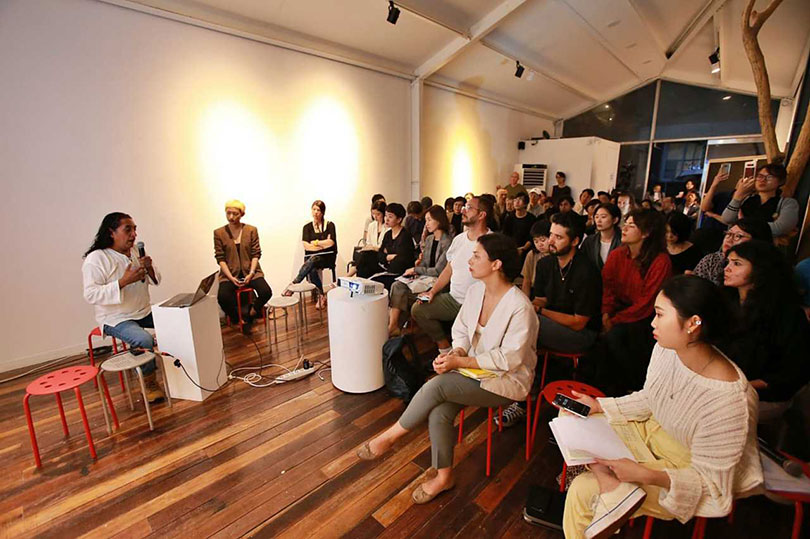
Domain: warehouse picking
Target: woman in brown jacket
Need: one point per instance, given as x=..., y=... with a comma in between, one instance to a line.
x=237, y=250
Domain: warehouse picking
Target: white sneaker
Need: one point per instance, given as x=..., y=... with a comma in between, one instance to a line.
x=614, y=509
x=511, y=416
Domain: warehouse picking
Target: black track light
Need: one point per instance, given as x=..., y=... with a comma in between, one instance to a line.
x=519, y=70
x=393, y=13
x=714, y=58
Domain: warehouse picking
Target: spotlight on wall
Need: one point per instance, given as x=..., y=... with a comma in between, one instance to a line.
x=519, y=70
x=393, y=13
x=714, y=59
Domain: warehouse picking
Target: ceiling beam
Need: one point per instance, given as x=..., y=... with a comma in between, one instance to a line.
x=461, y=42
x=692, y=28
x=540, y=71
x=487, y=97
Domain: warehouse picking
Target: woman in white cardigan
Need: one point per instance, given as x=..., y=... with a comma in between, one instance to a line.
x=495, y=330
x=696, y=414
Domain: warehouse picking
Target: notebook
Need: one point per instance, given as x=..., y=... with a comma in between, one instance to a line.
x=582, y=441
x=477, y=374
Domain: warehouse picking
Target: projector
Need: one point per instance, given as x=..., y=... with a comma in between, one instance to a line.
x=358, y=285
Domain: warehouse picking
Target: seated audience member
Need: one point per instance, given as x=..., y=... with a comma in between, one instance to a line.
x=539, y=232
x=603, y=196
x=696, y=414
x=536, y=199
x=657, y=194
x=590, y=210
x=396, y=253
x=714, y=201
x=680, y=198
x=565, y=204
x=770, y=342
x=515, y=187
x=584, y=198
x=761, y=198
x=560, y=190
x=598, y=246
x=510, y=206
x=431, y=264
x=667, y=205
x=365, y=259
x=427, y=203
x=374, y=199
x=631, y=278
x=444, y=306
x=647, y=204
x=682, y=253
x=320, y=250
x=691, y=207
x=518, y=225
x=802, y=272
x=491, y=223
x=712, y=265
x=467, y=196
x=501, y=195
x=237, y=251
x=567, y=297
x=495, y=330
x=456, y=219
x=116, y=282
x=414, y=220
x=626, y=203
x=448, y=208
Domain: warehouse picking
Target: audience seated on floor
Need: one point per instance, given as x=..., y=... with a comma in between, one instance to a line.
x=319, y=238
x=631, y=278
x=771, y=335
x=539, y=232
x=396, y=252
x=683, y=254
x=443, y=306
x=427, y=270
x=696, y=413
x=606, y=238
x=712, y=265
x=495, y=330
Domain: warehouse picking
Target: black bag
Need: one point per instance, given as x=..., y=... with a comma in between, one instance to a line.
x=402, y=378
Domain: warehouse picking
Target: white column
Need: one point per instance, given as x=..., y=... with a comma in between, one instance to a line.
x=416, y=138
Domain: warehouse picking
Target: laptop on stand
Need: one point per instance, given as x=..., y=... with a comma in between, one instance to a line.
x=187, y=300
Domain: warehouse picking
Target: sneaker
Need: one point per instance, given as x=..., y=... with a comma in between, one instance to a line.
x=613, y=509
x=513, y=415
x=153, y=391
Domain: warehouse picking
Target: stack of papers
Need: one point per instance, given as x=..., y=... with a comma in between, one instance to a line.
x=582, y=441
x=779, y=480
x=477, y=374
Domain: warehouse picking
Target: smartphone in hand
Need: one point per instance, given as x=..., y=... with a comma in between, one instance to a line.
x=424, y=298
x=570, y=405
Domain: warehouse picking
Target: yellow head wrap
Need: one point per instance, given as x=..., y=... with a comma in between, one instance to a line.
x=238, y=204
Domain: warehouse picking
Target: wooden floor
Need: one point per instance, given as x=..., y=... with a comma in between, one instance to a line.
x=276, y=461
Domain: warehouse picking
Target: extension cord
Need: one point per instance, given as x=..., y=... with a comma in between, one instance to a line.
x=295, y=375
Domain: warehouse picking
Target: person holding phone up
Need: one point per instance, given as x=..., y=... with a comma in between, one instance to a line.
x=237, y=251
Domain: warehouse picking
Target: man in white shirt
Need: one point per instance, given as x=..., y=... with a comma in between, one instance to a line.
x=444, y=306
x=116, y=283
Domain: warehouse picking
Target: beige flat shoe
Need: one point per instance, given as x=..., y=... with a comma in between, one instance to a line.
x=420, y=497
x=364, y=452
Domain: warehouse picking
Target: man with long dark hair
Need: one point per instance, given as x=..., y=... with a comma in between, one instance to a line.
x=116, y=283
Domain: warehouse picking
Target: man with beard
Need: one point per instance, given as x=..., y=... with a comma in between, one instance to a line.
x=444, y=306
x=567, y=297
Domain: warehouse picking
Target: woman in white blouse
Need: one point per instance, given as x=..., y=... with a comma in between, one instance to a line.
x=696, y=414
x=495, y=330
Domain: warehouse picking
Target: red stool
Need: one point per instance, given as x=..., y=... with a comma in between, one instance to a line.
x=54, y=383
x=798, y=499
x=97, y=333
x=565, y=355
x=500, y=428
x=239, y=292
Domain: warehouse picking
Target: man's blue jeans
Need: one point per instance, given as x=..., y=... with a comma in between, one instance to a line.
x=132, y=333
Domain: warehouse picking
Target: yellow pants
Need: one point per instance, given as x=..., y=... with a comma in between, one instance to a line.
x=668, y=453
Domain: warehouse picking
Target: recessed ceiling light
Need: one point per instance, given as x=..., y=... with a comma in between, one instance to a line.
x=607, y=106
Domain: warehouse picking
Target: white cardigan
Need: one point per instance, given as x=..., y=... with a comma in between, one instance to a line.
x=509, y=340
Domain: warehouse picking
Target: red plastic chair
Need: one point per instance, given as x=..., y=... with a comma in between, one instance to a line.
x=500, y=429
x=60, y=380
x=798, y=499
x=239, y=292
x=565, y=355
x=97, y=333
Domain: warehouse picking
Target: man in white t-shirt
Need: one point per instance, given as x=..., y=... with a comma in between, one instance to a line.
x=116, y=283
x=444, y=306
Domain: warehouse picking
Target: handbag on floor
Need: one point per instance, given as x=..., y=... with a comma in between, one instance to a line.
x=402, y=378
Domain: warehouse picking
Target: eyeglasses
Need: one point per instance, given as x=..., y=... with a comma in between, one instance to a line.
x=736, y=236
x=766, y=177
x=468, y=207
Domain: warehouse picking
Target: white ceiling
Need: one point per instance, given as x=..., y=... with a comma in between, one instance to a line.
x=583, y=52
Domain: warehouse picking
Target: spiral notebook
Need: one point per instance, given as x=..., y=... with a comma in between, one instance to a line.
x=582, y=441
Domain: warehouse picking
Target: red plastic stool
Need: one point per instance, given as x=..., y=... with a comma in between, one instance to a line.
x=565, y=355
x=798, y=499
x=54, y=383
x=97, y=333
x=500, y=428
x=239, y=292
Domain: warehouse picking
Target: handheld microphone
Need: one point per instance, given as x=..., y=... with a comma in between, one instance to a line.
x=141, y=254
x=790, y=466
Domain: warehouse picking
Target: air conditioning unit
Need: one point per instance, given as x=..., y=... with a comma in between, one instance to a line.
x=534, y=175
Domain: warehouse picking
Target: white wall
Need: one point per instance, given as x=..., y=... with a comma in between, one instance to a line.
x=107, y=109
x=470, y=145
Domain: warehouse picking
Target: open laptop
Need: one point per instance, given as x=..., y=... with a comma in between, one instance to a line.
x=187, y=300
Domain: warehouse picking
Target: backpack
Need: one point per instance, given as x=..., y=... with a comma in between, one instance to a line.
x=402, y=378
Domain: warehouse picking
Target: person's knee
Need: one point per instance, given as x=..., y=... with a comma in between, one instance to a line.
x=142, y=340
x=442, y=415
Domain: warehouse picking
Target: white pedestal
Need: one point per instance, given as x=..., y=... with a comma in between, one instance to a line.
x=358, y=328
x=192, y=335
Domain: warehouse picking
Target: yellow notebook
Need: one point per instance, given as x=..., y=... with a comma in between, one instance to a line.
x=477, y=374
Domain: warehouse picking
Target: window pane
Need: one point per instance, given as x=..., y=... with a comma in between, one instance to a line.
x=626, y=118
x=692, y=112
x=632, y=168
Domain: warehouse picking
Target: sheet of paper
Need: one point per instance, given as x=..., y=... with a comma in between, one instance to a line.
x=778, y=479
x=583, y=440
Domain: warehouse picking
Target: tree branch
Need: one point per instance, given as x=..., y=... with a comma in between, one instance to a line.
x=799, y=158
x=751, y=24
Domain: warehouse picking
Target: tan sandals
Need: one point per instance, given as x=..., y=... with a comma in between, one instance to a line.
x=420, y=497
x=364, y=452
